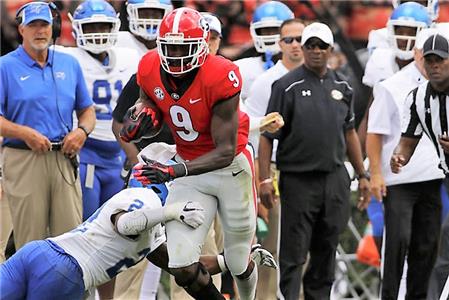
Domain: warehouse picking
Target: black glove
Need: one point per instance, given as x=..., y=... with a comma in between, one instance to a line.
x=155, y=172
x=136, y=126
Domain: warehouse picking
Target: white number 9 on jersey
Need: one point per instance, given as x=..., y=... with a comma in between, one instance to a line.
x=233, y=78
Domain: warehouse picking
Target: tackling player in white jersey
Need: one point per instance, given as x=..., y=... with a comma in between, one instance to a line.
x=125, y=230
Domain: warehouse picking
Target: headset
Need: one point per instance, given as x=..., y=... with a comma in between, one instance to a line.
x=56, y=24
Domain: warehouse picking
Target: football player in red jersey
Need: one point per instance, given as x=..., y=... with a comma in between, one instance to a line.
x=198, y=97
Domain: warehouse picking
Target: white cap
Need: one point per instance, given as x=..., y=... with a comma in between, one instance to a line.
x=213, y=21
x=318, y=30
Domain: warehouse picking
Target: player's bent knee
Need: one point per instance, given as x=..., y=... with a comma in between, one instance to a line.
x=236, y=262
x=188, y=276
x=247, y=272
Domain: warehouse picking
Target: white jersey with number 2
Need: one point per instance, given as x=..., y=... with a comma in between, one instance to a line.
x=100, y=250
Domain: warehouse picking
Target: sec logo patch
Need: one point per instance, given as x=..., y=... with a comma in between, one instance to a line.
x=159, y=93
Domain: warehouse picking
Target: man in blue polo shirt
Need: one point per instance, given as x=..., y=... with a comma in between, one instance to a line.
x=39, y=91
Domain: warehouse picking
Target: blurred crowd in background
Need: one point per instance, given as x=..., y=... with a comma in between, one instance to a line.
x=354, y=18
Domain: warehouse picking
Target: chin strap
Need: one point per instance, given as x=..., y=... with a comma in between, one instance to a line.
x=268, y=60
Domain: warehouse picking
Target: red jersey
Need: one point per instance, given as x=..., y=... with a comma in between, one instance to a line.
x=189, y=113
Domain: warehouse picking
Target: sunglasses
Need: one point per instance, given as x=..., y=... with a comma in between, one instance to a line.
x=321, y=45
x=289, y=39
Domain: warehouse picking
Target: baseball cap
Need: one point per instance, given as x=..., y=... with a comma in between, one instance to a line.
x=438, y=45
x=318, y=30
x=214, y=22
x=35, y=11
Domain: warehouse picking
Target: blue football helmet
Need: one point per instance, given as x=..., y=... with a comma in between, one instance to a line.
x=409, y=14
x=95, y=11
x=432, y=7
x=146, y=28
x=160, y=189
x=269, y=14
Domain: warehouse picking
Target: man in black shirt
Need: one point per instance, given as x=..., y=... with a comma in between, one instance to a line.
x=317, y=107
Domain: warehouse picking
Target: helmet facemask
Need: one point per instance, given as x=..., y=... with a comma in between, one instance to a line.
x=144, y=19
x=180, y=55
x=96, y=42
x=266, y=42
x=402, y=36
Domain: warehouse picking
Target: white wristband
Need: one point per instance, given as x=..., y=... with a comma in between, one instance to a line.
x=221, y=263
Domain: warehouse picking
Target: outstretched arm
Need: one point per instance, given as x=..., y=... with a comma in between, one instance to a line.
x=214, y=264
x=137, y=221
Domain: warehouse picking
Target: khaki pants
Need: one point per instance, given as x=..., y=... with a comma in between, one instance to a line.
x=5, y=225
x=44, y=197
x=209, y=248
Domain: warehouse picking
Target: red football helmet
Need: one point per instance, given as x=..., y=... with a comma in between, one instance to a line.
x=182, y=40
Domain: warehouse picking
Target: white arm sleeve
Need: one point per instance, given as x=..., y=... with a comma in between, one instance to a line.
x=138, y=221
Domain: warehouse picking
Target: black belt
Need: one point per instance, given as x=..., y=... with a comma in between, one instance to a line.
x=55, y=146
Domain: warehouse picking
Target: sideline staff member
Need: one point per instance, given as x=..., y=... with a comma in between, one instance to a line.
x=427, y=112
x=40, y=88
x=317, y=107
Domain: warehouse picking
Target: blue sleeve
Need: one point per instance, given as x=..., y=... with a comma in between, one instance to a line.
x=3, y=88
x=83, y=99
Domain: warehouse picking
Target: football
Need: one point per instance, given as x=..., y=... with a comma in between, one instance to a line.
x=141, y=122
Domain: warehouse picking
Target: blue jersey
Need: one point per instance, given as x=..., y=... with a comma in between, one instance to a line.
x=42, y=98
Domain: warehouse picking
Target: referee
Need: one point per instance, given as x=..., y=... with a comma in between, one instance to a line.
x=317, y=106
x=428, y=113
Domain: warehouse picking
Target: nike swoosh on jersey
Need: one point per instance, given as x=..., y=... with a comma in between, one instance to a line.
x=23, y=78
x=193, y=101
x=236, y=173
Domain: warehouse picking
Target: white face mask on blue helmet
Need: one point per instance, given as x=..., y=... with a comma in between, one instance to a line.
x=270, y=14
x=90, y=12
x=409, y=14
x=147, y=28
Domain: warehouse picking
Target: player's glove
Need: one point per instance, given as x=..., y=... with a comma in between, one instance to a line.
x=137, y=122
x=155, y=172
x=189, y=213
x=262, y=257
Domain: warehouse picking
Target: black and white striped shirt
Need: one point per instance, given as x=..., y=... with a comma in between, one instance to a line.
x=426, y=111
